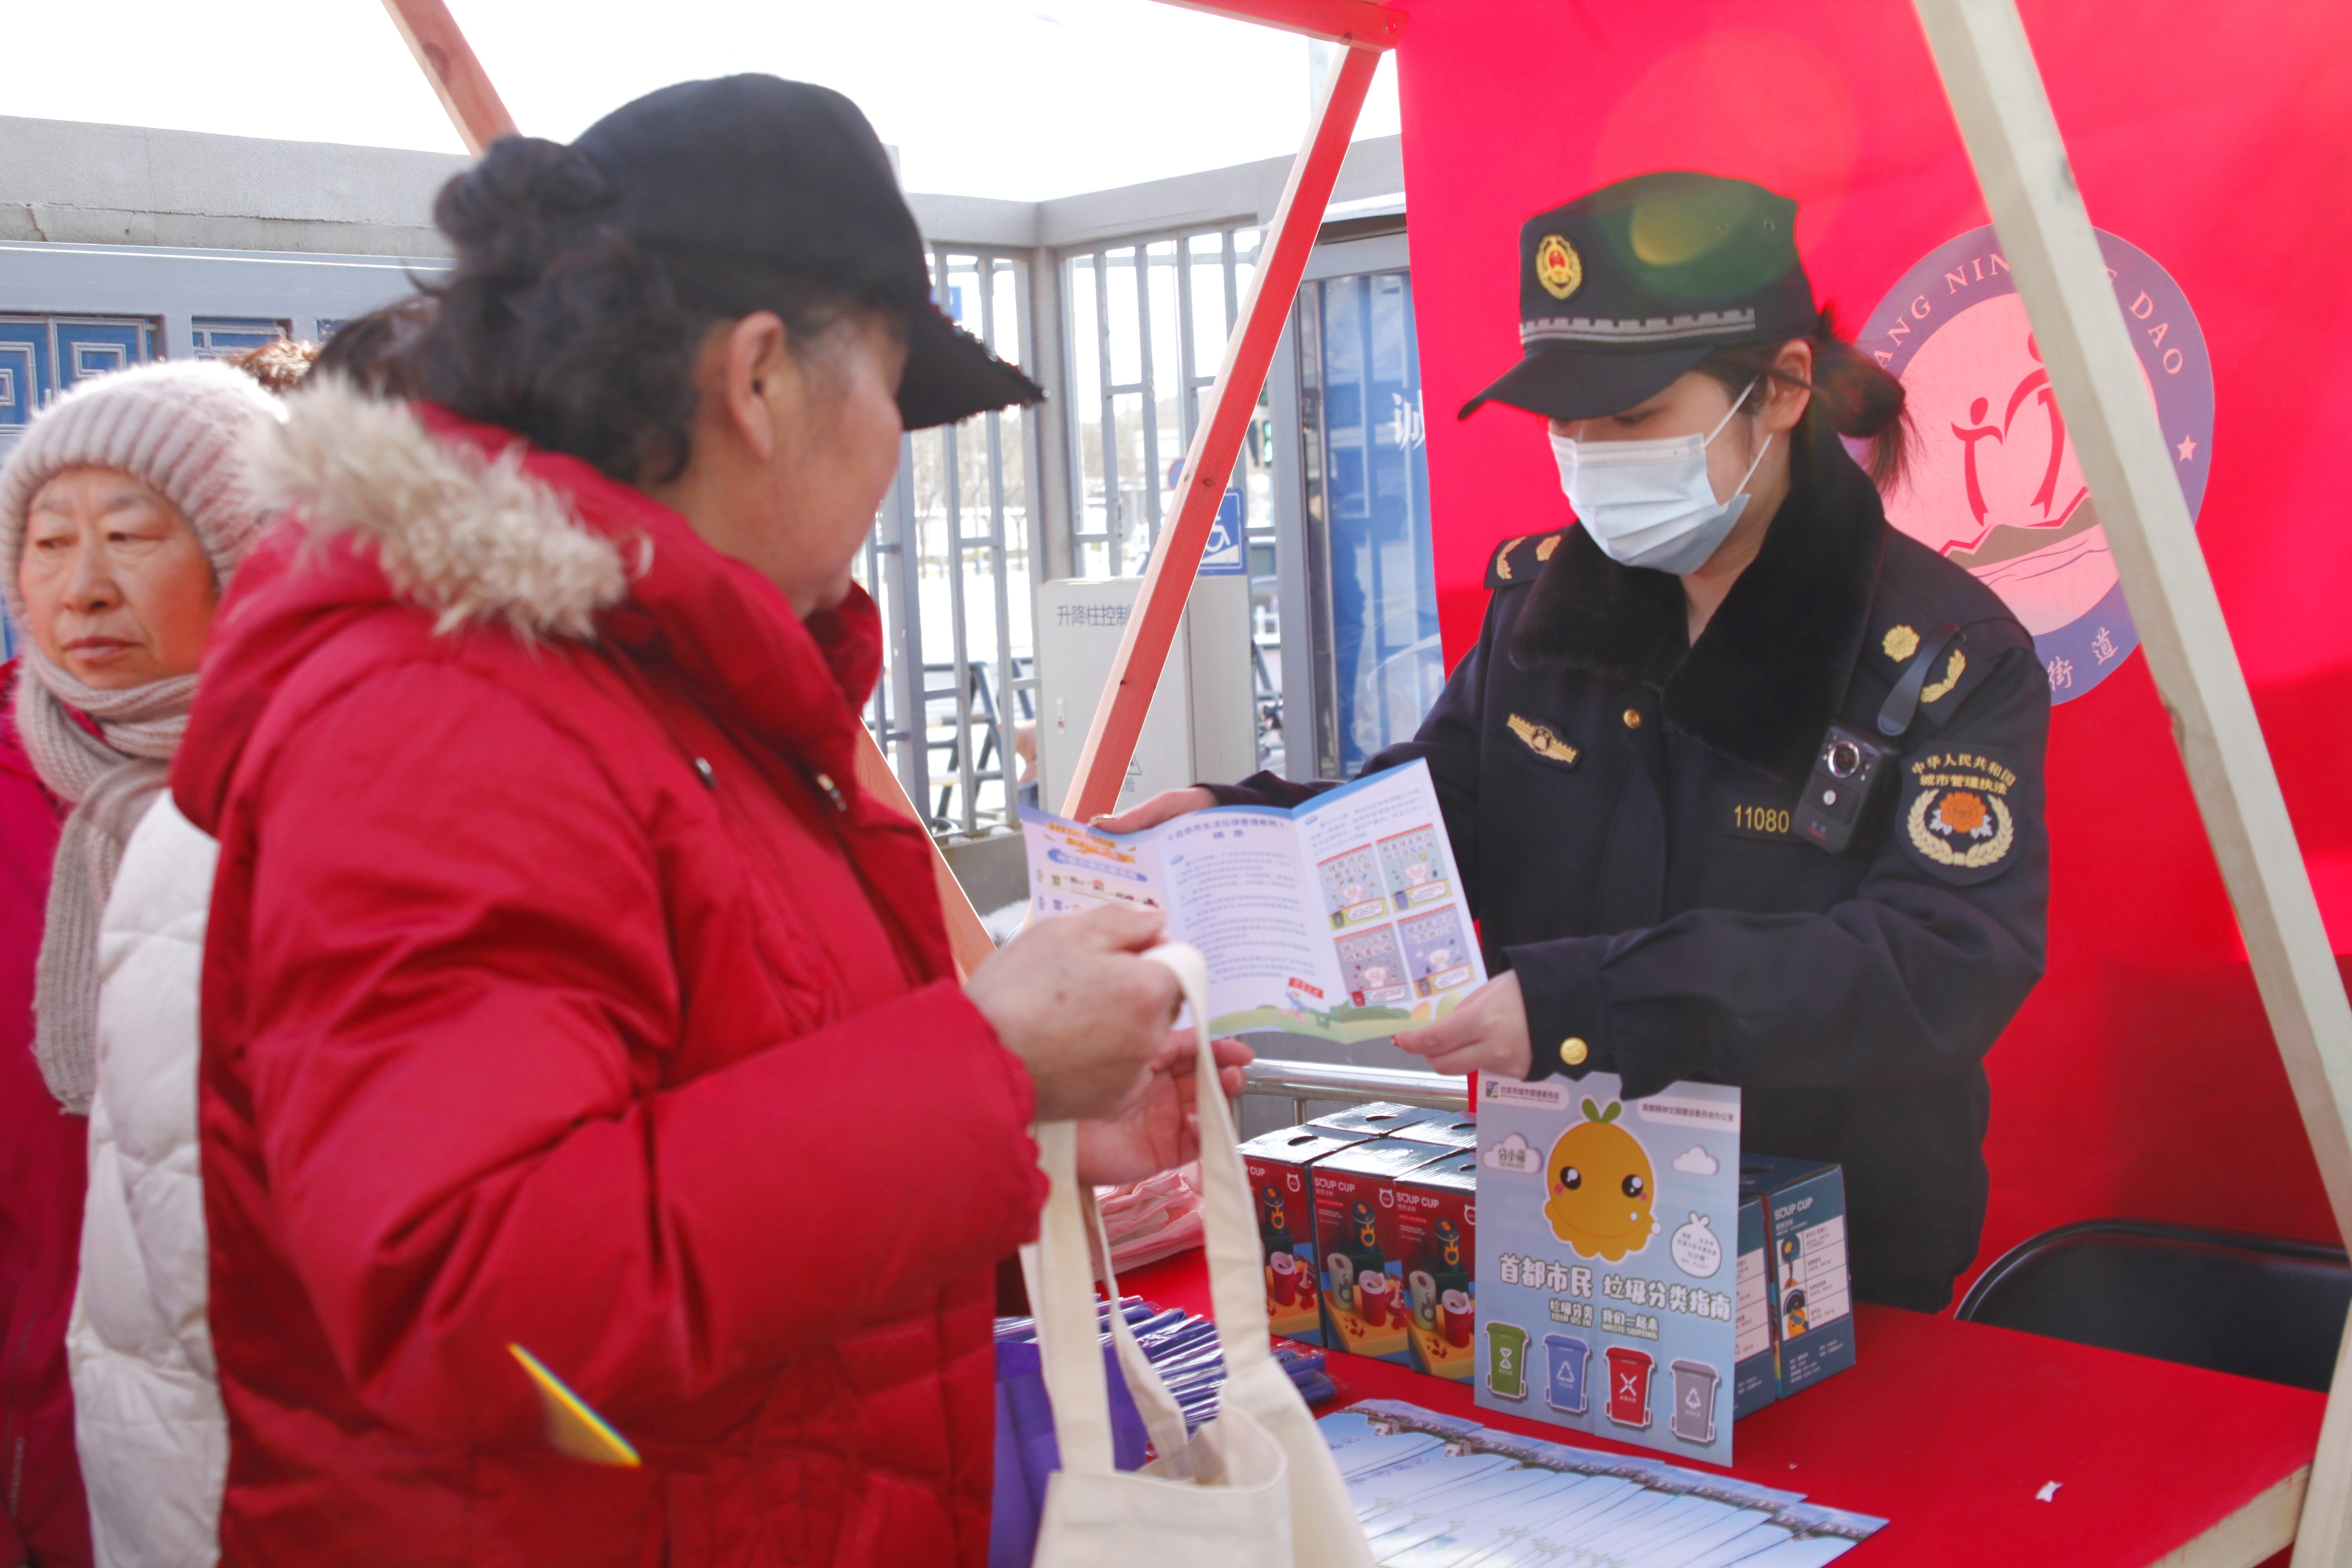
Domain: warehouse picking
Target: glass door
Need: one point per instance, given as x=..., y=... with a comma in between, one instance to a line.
x=1361, y=498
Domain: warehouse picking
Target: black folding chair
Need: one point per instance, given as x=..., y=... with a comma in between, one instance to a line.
x=2259, y=1306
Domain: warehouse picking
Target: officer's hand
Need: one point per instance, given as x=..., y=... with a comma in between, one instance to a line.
x=1084, y=1013
x=1488, y=1033
x=1167, y=803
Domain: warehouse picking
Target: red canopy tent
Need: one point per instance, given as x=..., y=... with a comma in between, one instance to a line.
x=2143, y=1066
x=2144, y=1078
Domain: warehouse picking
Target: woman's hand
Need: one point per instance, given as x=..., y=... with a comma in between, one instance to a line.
x=1084, y=1013
x=1167, y=803
x=1488, y=1033
x=1160, y=1128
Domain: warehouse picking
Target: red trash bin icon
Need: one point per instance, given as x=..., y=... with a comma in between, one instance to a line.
x=1629, y=1386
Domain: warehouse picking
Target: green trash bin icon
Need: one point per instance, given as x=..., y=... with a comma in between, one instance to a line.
x=1506, y=1361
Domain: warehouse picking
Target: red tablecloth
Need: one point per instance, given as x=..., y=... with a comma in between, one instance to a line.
x=1950, y=1430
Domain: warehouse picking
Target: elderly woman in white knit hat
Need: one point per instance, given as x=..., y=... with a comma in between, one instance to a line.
x=123, y=512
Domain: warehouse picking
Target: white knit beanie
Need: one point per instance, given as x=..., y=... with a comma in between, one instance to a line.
x=174, y=425
x=178, y=428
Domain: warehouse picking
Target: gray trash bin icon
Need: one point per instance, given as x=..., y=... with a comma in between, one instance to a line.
x=1695, y=1385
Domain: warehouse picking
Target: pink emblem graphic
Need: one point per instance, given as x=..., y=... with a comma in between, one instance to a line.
x=1994, y=483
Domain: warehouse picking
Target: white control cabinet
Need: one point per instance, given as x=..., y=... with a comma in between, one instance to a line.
x=1202, y=725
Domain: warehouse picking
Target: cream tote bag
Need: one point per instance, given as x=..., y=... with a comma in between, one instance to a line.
x=1256, y=1488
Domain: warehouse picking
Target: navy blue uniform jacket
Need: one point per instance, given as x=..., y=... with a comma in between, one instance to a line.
x=1620, y=801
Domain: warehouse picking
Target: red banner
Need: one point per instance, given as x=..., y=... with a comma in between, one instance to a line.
x=2214, y=148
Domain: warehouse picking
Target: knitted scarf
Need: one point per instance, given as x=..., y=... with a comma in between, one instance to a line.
x=112, y=782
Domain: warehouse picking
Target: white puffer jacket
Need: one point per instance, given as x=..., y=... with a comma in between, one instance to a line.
x=147, y=1407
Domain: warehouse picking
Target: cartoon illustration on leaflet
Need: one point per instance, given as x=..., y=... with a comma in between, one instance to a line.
x=1600, y=1183
x=1415, y=868
x=1352, y=890
x=1436, y=953
x=1373, y=969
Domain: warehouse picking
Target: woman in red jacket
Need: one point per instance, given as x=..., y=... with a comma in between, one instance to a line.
x=564, y=991
x=44, y=1168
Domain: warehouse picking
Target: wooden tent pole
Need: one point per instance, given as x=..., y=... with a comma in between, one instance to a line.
x=1360, y=24
x=474, y=107
x=447, y=60
x=1217, y=442
x=2003, y=110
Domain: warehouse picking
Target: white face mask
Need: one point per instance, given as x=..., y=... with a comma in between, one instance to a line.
x=1650, y=503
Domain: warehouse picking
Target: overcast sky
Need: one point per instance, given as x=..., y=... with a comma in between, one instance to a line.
x=994, y=98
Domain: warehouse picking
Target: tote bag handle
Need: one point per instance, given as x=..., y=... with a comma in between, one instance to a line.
x=1258, y=1395
x=1071, y=1230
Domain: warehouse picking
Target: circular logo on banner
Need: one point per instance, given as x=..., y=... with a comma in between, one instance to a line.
x=1993, y=482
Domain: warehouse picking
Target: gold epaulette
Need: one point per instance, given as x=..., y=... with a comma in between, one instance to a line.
x=1514, y=560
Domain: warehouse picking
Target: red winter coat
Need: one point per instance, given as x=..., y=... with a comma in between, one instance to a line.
x=564, y=991
x=44, y=1169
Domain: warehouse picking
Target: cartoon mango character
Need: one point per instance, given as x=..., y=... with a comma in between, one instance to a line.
x=1601, y=1185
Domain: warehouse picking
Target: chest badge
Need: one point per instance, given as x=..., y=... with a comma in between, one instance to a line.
x=1543, y=740
x=1901, y=643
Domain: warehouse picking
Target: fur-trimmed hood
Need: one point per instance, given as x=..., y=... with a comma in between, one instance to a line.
x=467, y=535
x=1770, y=672
x=395, y=509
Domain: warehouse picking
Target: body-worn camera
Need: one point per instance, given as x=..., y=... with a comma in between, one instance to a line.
x=1850, y=772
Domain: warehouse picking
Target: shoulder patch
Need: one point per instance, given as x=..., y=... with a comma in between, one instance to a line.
x=1956, y=817
x=1514, y=560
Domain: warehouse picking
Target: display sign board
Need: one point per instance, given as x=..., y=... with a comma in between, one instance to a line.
x=1606, y=1245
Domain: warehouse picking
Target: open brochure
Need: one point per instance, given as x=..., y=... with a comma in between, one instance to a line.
x=1341, y=919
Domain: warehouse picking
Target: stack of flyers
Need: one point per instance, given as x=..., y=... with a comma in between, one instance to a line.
x=1435, y=1491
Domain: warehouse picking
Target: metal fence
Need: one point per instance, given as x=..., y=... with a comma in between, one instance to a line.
x=951, y=561
x=962, y=538
x=1146, y=321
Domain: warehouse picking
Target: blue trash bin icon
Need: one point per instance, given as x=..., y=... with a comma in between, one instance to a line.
x=1569, y=1356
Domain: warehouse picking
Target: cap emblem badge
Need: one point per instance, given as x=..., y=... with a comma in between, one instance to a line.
x=1558, y=267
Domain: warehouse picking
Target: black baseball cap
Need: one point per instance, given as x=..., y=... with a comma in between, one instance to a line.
x=742, y=180
x=1624, y=289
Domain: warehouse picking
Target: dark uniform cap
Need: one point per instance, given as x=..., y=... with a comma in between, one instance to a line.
x=1624, y=289
x=742, y=180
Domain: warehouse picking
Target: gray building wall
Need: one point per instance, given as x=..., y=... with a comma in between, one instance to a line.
x=68, y=183
x=65, y=182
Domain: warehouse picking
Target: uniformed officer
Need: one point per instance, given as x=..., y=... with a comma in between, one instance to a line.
x=1745, y=785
